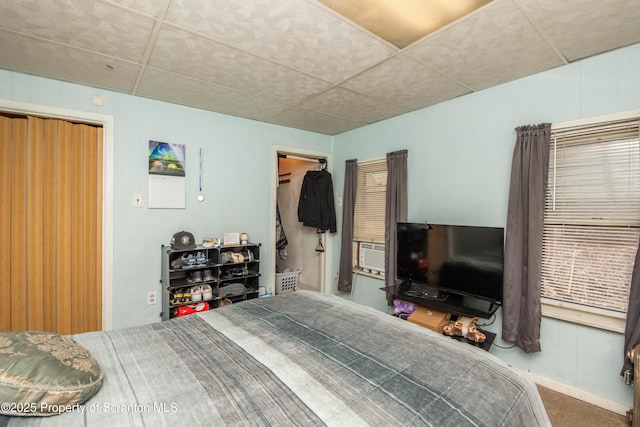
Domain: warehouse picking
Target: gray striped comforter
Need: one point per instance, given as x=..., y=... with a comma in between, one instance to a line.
x=302, y=359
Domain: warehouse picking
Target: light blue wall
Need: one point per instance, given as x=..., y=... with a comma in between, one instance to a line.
x=238, y=180
x=459, y=162
x=458, y=173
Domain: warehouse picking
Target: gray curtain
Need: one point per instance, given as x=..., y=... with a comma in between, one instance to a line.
x=395, y=211
x=348, y=207
x=523, y=246
x=632, y=328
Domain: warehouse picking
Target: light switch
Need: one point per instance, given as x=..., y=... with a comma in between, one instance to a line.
x=137, y=200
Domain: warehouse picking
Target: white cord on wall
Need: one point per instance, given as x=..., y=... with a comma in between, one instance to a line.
x=353, y=285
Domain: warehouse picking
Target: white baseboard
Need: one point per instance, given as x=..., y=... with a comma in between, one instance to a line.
x=593, y=399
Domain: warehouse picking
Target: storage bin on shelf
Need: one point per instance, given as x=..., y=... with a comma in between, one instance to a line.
x=286, y=281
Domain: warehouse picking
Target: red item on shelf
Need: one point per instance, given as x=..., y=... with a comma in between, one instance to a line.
x=190, y=309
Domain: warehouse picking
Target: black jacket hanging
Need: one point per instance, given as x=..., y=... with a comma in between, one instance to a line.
x=316, y=207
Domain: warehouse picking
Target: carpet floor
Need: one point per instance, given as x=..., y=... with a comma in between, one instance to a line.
x=566, y=411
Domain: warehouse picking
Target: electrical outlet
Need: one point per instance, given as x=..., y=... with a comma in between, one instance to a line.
x=151, y=298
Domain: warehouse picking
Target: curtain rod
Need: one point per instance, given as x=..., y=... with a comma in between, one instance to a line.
x=306, y=159
x=377, y=159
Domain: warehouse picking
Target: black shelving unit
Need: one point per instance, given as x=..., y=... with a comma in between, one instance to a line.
x=232, y=272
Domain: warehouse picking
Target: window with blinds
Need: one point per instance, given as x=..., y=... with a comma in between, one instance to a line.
x=369, y=214
x=592, y=214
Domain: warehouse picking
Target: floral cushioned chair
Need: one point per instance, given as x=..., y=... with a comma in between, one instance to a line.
x=42, y=373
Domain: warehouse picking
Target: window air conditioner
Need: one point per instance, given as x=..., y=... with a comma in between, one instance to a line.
x=372, y=257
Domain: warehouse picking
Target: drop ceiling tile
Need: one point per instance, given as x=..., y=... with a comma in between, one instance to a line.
x=301, y=34
x=484, y=49
x=580, y=28
x=402, y=80
x=184, y=53
x=86, y=24
x=33, y=56
x=182, y=90
x=150, y=7
x=352, y=106
x=313, y=121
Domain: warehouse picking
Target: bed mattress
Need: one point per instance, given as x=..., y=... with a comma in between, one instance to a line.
x=301, y=358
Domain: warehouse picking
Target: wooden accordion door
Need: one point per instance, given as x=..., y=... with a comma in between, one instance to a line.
x=50, y=225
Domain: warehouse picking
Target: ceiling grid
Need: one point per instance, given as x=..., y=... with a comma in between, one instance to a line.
x=301, y=63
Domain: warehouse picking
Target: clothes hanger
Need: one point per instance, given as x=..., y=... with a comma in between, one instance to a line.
x=320, y=247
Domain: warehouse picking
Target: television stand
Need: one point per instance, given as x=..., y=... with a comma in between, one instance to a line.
x=485, y=345
x=444, y=301
x=410, y=289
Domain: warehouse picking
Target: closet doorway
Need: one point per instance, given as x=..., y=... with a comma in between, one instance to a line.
x=306, y=249
x=51, y=210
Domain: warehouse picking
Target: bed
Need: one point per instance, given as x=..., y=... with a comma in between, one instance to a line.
x=301, y=358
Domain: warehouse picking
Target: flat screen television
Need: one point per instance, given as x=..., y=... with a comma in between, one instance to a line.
x=463, y=260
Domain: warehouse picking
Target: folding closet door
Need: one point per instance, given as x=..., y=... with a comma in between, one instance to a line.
x=50, y=225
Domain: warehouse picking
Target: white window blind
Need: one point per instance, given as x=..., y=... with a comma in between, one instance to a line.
x=592, y=214
x=371, y=189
